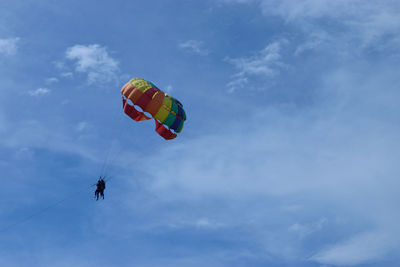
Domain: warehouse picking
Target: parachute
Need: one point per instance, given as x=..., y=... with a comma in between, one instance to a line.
x=164, y=109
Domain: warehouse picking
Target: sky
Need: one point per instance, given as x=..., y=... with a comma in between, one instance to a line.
x=287, y=157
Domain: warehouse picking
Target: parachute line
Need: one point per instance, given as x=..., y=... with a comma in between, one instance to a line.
x=43, y=210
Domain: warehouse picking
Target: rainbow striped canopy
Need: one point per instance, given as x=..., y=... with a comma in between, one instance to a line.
x=164, y=109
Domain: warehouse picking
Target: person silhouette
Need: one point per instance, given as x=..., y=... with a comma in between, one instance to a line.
x=100, y=186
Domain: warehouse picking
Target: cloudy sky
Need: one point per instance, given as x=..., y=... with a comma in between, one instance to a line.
x=287, y=158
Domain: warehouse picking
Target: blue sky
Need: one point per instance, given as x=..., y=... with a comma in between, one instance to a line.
x=289, y=155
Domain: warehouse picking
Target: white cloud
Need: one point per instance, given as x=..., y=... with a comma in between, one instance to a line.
x=67, y=74
x=206, y=223
x=368, y=23
x=315, y=40
x=95, y=61
x=238, y=82
x=39, y=92
x=238, y=1
x=42, y=136
x=303, y=230
x=59, y=65
x=194, y=46
x=266, y=63
x=9, y=46
x=81, y=126
x=340, y=155
x=201, y=223
x=292, y=10
x=52, y=80
x=361, y=249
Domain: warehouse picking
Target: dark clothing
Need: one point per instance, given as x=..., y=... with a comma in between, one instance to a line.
x=101, y=185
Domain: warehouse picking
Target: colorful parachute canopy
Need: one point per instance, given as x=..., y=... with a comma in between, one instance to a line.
x=164, y=109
